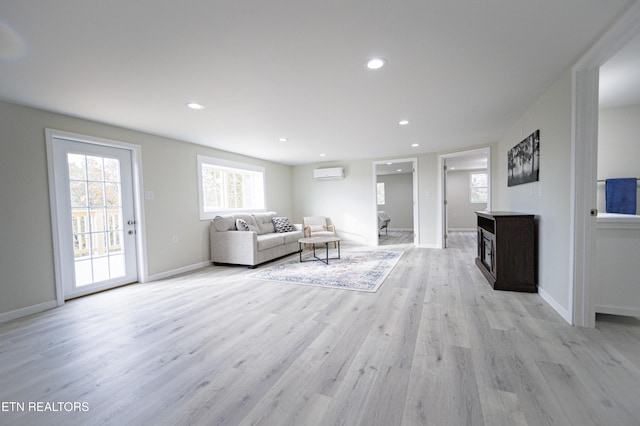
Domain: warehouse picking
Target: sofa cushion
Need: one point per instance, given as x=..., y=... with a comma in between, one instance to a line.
x=282, y=224
x=224, y=223
x=324, y=234
x=264, y=222
x=266, y=241
x=292, y=237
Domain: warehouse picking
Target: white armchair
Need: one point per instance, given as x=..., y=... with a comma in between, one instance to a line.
x=319, y=226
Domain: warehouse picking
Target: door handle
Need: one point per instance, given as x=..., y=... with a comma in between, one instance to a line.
x=131, y=232
x=131, y=222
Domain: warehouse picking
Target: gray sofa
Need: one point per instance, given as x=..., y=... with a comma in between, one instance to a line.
x=252, y=247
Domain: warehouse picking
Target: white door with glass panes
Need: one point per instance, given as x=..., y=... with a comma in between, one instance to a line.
x=95, y=218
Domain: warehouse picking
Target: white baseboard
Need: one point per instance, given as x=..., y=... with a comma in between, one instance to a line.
x=561, y=310
x=616, y=310
x=34, y=309
x=462, y=229
x=29, y=310
x=173, y=272
x=401, y=229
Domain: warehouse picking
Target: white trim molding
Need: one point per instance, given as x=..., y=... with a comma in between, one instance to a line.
x=584, y=148
x=136, y=162
x=441, y=212
x=259, y=180
x=178, y=271
x=616, y=310
x=28, y=310
x=564, y=313
x=416, y=205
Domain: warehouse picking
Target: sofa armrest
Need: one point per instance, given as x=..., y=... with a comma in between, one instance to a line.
x=233, y=246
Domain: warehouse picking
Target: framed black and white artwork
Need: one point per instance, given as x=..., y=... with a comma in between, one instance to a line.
x=524, y=161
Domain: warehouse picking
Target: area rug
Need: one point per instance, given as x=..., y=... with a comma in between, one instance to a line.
x=355, y=270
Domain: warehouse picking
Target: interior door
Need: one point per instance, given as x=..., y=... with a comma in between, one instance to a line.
x=95, y=218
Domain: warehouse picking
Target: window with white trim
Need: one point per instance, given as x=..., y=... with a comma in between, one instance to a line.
x=380, y=193
x=228, y=186
x=478, y=187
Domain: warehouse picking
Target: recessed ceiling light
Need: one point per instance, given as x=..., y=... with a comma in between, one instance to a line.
x=403, y=122
x=388, y=164
x=376, y=63
x=399, y=170
x=453, y=168
x=323, y=155
x=415, y=145
x=283, y=139
x=195, y=105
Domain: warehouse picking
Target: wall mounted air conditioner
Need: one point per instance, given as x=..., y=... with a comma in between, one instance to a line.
x=328, y=173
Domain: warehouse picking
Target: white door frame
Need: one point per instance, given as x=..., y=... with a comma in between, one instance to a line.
x=441, y=187
x=416, y=218
x=136, y=160
x=584, y=150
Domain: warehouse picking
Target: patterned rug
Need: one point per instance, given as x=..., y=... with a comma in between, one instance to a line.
x=356, y=270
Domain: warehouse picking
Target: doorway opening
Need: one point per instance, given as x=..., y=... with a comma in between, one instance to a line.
x=618, y=236
x=584, y=146
x=395, y=204
x=465, y=187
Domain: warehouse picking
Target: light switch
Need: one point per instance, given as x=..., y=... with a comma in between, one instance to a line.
x=148, y=195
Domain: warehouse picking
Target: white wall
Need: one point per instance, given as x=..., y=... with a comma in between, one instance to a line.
x=548, y=199
x=618, y=147
x=428, y=204
x=460, y=209
x=348, y=202
x=398, y=200
x=169, y=169
x=351, y=203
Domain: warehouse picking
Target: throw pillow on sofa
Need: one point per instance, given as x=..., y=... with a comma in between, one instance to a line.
x=282, y=224
x=242, y=225
x=224, y=223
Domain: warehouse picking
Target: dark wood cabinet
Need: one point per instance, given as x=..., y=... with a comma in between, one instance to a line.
x=506, y=250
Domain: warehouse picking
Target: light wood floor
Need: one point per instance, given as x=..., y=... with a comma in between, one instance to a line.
x=393, y=237
x=435, y=345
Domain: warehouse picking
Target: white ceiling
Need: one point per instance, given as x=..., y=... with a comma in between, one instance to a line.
x=460, y=71
x=395, y=167
x=468, y=161
x=620, y=77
